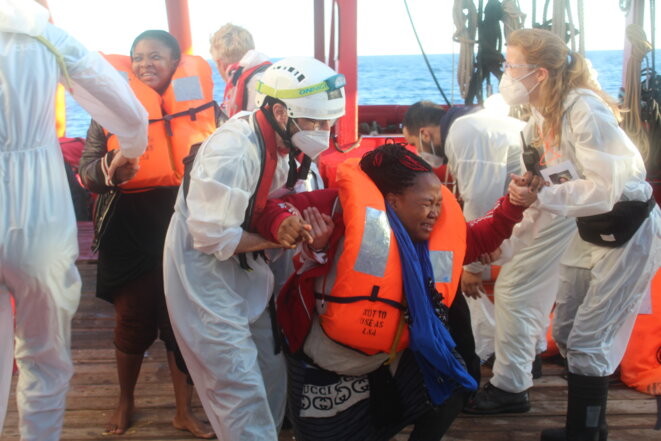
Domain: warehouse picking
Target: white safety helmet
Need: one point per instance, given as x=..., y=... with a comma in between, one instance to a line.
x=308, y=87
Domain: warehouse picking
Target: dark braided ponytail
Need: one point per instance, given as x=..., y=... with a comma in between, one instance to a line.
x=393, y=168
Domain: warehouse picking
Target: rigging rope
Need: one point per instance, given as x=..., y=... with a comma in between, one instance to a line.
x=651, y=106
x=424, y=55
x=466, y=27
x=653, y=31
x=513, y=18
x=489, y=51
x=558, y=19
x=632, y=121
x=572, y=29
x=581, y=27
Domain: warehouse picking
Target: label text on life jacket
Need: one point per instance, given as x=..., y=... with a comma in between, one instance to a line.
x=372, y=320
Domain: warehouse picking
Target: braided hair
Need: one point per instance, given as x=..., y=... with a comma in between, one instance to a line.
x=393, y=168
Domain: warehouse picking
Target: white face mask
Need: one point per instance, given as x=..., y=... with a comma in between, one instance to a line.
x=513, y=90
x=311, y=142
x=433, y=158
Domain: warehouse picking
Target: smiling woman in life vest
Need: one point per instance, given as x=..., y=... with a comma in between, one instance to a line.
x=134, y=208
x=154, y=63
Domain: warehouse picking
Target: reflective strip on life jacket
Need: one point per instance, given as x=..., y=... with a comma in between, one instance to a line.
x=365, y=304
x=183, y=116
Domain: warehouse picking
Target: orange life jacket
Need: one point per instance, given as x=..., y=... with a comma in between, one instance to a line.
x=235, y=98
x=365, y=305
x=183, y=116
x=641, y=366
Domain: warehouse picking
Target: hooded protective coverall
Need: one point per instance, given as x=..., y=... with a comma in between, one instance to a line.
x=601, y=288
x=38, y=240
x=524, y=295
x=217, y=308
x=483, y=149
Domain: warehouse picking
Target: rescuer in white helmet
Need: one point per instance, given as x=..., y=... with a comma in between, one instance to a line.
x=217, y=283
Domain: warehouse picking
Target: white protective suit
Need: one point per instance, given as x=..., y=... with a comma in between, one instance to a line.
x=601, y=289
x=217, y=309
x=524, y=295
x=38, y=239
x=483, y=149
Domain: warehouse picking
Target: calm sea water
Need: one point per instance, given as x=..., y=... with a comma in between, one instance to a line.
x=401, y=79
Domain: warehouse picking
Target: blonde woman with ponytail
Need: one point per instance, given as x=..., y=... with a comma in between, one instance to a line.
x=596, y=175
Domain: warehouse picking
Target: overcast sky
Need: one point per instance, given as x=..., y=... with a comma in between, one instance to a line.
x=284, y=27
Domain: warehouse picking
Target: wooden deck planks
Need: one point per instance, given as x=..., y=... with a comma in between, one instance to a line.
x=93, y=394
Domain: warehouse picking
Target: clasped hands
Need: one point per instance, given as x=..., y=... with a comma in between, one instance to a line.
x=523, y=190
x=311, y=227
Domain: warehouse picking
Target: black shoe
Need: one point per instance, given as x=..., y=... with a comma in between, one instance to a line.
x=489, y=400
x=537, y=367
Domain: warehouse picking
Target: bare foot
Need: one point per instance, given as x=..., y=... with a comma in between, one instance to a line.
x=199, y=428
x=120, y=419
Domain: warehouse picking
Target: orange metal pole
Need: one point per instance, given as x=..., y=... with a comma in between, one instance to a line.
x=179, y=24
x=348, y=65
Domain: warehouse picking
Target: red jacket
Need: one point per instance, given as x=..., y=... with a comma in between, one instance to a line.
x=483, y=235
x=296, y=301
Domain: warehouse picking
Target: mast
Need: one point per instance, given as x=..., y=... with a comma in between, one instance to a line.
x=347, y=64
x=179, y=24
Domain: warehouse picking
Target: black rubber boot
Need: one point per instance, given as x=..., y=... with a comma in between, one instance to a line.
x=586, y=411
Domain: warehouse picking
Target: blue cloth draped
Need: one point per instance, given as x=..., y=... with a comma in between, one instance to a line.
x=429, y=340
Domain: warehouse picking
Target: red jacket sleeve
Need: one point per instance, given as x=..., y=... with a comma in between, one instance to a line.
x=486, y=233
x=276, y=210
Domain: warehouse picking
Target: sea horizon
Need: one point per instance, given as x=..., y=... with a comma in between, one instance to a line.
x=402, y=80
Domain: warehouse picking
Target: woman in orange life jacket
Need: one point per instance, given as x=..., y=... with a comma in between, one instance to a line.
x=377, y=355
x=131, y=228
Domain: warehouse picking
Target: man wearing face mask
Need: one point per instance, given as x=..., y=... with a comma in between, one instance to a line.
x=217, y=283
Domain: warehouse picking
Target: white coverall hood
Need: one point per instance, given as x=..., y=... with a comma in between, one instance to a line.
x=23, y=17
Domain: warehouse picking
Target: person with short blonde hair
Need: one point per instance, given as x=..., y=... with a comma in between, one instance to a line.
x=240, y=66
x=229, y=44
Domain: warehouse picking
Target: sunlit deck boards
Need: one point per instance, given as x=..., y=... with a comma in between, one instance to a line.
x=93, y=394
